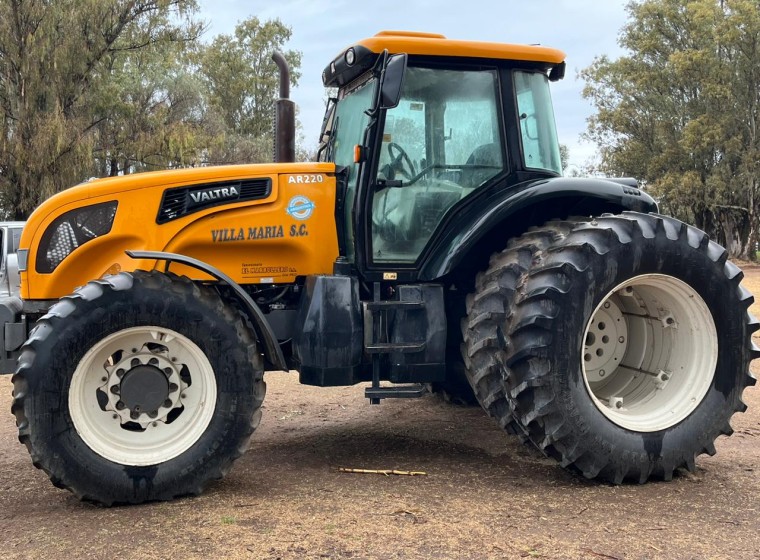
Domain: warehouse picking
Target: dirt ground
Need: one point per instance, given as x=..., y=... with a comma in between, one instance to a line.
x=485, y=494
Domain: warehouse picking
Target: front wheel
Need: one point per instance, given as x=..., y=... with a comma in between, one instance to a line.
x=629, y=348
x=138, y=387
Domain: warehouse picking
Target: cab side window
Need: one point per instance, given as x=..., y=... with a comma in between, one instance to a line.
x=439, y=145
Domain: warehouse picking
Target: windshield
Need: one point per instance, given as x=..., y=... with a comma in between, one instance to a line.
x=537, y=127
x=349, y=121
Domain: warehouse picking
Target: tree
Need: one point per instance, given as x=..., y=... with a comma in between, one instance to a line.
x=152, y=113
x=681, y=112
x=55, y=62
x=564, y=156
x=243, y=84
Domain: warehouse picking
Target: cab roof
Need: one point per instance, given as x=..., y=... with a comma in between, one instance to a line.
x=433, y=44
x=355, y=60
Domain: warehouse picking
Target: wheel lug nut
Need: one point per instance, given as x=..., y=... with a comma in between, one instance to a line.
x=168, y=371
x=167, y=403
x=115, y=389
x=134, y=415
x=153, y=414
x=120, y=372
x=153, y=361
x=120, y=405
x=135, y=362
x=173, y=387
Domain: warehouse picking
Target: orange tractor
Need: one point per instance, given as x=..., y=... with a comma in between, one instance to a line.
x=435, y=243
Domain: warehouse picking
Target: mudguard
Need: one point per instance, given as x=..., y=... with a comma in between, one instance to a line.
x=484, y=214
x=273, y=352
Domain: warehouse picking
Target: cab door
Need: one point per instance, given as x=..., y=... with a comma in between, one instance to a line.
x=438, y=146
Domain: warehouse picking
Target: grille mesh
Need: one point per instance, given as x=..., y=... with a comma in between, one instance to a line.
x=182, y=201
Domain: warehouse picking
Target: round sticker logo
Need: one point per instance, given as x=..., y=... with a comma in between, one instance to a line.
x=300, y=207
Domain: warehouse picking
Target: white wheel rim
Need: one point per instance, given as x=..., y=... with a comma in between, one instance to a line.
x=649, y=352
x=142, y=438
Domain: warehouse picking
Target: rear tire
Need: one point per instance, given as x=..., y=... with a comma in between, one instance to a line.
x=138, y=387
x=670, y=372
x=484, y=327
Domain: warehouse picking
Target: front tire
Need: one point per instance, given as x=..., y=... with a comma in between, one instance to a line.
x=629, y=348
x=138, y=387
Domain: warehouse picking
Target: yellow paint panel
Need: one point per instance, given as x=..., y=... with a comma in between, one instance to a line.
x=289, y=233
x=293, y=235
x=438, y=45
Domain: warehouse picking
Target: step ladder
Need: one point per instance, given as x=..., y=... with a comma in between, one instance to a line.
x=375, y=343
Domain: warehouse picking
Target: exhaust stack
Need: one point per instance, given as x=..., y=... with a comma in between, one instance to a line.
x=285, y=116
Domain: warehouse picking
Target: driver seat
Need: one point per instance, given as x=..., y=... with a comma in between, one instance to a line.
x=487, y=155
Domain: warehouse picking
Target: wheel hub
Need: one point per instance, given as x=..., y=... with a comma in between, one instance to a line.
x=143, y=387
x=606, y=341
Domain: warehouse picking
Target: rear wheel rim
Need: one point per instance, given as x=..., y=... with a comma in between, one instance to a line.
x=116, y=421
x=649, y=353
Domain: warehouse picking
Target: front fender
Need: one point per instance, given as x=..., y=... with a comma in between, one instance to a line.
x=527, y=204
x=272, y=351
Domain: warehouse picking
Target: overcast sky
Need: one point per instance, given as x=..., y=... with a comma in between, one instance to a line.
x=322, y=29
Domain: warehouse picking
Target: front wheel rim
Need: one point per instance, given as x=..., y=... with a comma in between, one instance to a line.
x=649, y=353
x=142, y=396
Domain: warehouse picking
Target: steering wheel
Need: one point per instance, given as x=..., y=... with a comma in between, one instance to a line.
x=401, y=163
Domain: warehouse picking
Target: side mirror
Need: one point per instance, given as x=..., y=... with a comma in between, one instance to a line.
x=393, y=80
x=327, y=121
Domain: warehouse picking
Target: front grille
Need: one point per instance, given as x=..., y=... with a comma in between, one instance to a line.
x=182, y=201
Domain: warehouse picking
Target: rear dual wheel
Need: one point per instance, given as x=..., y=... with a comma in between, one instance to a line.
x=627, y=348
x=138, y=387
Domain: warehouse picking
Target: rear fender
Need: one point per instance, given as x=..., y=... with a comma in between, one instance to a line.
x=486, y=222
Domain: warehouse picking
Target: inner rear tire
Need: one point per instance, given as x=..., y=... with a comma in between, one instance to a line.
x=138, y=387
x=629, y=348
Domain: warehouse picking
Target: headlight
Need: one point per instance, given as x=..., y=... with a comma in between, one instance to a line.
x=71, y=230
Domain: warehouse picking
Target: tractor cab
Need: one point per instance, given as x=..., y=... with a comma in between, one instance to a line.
x=423, y=134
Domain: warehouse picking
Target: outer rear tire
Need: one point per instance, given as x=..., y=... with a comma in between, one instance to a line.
x=670, y=393
x=184, y=363
x=484, y=328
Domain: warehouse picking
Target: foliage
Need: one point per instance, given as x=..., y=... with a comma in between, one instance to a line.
x=243, y=83
x=564, y=155
x=55, y=59
x=110, y=87
x=150, y=113
x=682, y=112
